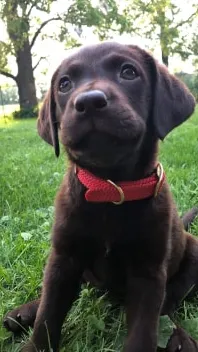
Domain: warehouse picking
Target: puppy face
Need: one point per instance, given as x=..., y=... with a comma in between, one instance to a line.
x=106, y=100
x=103, y=96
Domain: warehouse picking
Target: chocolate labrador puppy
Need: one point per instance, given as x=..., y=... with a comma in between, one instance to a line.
x=115, y=220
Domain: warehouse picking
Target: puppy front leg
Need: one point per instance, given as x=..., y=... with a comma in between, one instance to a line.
x=61, y=286
x=145, y=296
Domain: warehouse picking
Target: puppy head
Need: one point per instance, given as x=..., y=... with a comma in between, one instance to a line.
x=107, y=100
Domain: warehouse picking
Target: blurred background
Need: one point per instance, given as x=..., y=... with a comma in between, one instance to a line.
x=35, y=35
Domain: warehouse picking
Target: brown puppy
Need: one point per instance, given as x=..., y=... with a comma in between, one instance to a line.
x=111, y=104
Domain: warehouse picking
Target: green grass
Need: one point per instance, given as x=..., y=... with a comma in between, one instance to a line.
x=29, y=178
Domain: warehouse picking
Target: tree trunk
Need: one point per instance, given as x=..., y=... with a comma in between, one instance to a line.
x=25, y=77
x=165, y=58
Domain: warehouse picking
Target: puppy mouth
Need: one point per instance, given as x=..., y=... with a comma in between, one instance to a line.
x=102, y=141
x=95, y=141
x=113, y=126
x=99, y=149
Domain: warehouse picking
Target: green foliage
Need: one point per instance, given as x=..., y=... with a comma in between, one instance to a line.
x=17, y=16
x=191, y=80
x=103, y=17
x=82, y=13
x=161, y=21
x=91, y=324
x=25, y=113
x=4, y=51
x=24, y=7
x=17, y=25
x=113, y=20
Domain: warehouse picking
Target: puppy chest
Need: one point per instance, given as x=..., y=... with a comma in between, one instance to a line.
x=108, y=272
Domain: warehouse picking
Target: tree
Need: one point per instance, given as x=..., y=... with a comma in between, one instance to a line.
x=18, y=16
x=161, y=21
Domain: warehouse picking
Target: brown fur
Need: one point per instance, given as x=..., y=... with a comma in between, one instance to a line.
x=138, y=251
x=180, y=341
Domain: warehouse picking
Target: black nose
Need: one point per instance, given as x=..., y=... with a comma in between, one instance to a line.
x=93, y=99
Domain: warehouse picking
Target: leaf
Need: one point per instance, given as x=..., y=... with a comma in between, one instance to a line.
x=166, y=327
x=26, y=236
x=97, y=323
x=4, y=219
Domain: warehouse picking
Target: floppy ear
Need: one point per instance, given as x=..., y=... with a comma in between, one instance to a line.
x=173, y=102
x=47, y=123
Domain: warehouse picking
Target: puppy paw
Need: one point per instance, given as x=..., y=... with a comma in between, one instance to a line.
x=20, y=319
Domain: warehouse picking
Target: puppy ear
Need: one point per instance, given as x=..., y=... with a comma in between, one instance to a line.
x=173, y=102
x=47, y=123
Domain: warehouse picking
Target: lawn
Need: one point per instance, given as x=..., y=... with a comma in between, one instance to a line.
x=30, y=175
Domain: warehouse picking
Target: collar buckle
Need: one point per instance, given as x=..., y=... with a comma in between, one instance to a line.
x=119, y=189
x=160, y=175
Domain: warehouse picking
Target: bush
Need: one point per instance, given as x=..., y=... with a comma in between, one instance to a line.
x=191, y=80
x=26, y=113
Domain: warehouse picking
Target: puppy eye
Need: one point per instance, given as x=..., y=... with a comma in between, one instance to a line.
x=128, y=72
x=64, y=84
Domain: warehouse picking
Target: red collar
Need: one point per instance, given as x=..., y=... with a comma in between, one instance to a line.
x=100, y=190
